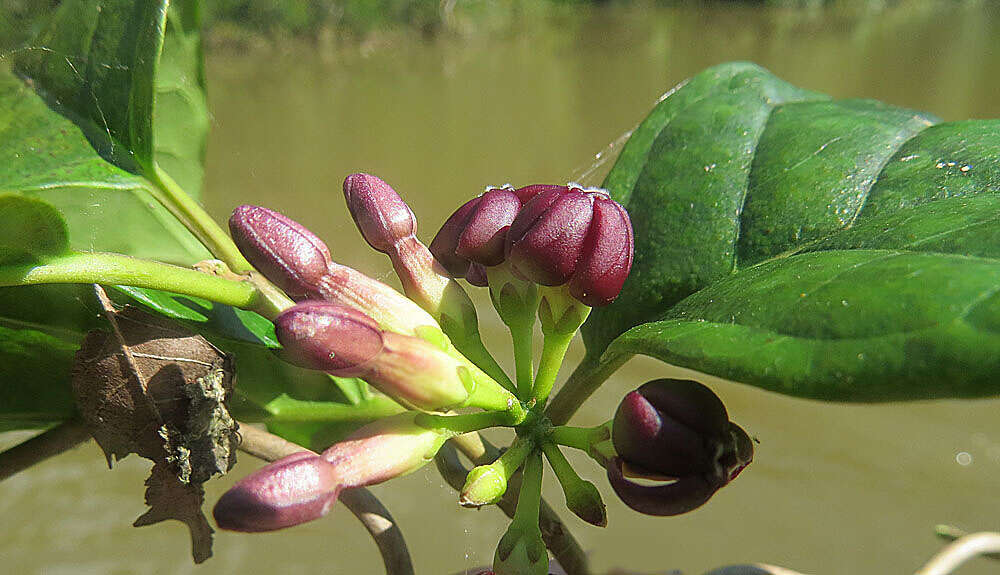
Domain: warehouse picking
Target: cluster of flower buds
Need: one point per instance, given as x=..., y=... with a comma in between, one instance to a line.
x=407, y=341
x=679, y=431
x=551, y=235
x=389, y=226
x=303, y=486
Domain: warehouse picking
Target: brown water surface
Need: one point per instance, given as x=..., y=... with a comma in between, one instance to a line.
x=835, y=489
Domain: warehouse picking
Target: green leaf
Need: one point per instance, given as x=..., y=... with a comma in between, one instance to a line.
x=841, y=250
x=35, y=363
x=32, y=229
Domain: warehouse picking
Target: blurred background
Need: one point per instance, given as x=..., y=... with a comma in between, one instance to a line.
x=442, y=98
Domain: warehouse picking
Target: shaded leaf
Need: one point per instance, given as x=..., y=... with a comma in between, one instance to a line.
x=32, y=229
x=846, y=250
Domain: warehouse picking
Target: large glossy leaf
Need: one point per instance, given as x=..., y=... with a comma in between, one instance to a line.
x=845, y=250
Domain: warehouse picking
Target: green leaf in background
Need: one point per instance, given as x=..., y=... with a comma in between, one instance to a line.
x=107, y=94
x=32, y=229
x=840, y=250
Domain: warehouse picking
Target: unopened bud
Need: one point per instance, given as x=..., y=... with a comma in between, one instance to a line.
x=576, y=236
x=484, y=485
x=295, y=489
x=283, y=250
x=387, y=448
x=675, y=429
x=328, y=337
x=343, y=341
x=381, y=215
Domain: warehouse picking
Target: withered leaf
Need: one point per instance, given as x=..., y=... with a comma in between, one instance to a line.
x=151, y=388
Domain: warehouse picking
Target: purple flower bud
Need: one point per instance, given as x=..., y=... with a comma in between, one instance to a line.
x=677, y=429
x=387, y=448
x=295, y=489
x=482, y=240
x=283, y=250
x=568, y=234
x=381, y=215
x=329, y=337
x=343, y=341
x=445, y=243
x=477, y=275
x=477, y=231
x=607, y=255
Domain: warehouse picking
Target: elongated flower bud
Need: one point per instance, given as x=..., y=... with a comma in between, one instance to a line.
x=342, y=341
x=392, y=310
x=380, y=214
x=283, y=250
x=676, y=429
x=328, y=337
x=576, y=236
x=384, y=449
x=295, y=489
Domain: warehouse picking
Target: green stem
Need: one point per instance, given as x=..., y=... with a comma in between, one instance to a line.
x=196, y=219
x=565, y=473
x=116, y=269
x=553, y=351
x=584, y=381
x=582, y=438
x=286, y=409
x=465, y=423
x=515, y=455
x=521, y=335
x=530, y=498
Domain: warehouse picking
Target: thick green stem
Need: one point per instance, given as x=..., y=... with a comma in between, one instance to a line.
x=586, y=378
x=530, y=498
x=196, y=219
x=286, y=409
x=465, y=423
x=553, y=351
x=521, y=336
x=582, y=438
x=116, y=269
x=514, y=457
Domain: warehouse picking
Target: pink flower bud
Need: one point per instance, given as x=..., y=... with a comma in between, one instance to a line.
x=573, y=235
x=283, y=250
x=329, y=337
x=343, y=341
x=387, y=448
x=381, y=215
x=295, y=489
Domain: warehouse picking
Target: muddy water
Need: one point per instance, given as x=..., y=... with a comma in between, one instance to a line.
x=835, y=489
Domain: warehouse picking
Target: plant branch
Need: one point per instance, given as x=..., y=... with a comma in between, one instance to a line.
x=56, y=440
x=361, y=502
x=961, y=550
x=117, y=269
x=196, y=219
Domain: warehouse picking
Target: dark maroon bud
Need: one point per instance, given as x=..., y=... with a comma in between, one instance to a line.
x=445, y=243
x=477, y=275
x=381, y=215
x=527, y=192
x=683, y=495
x=298, y=488
x=570, y=234
x=678, y=429
x=546, y=239
x=607, y=255
x=283, y=250
x=328, y=337
x=670, y=427
x=485, y=232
